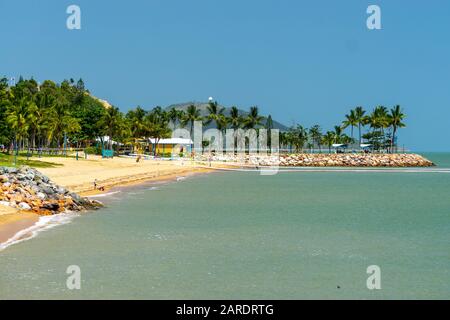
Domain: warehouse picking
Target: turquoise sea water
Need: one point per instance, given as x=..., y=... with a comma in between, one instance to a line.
x=239, y=235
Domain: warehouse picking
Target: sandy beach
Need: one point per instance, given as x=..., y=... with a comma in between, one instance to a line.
x=79, y=176
x=13, y=222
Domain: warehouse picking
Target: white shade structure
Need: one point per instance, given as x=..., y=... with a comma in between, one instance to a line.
x=173, y=141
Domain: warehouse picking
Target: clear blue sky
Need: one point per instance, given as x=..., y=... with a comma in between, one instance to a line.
x=308, y=61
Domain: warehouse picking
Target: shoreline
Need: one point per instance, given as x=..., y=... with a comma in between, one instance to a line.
x=14, y=221
x=137, y=180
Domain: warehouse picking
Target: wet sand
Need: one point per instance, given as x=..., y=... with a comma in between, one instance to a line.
x=11, y=223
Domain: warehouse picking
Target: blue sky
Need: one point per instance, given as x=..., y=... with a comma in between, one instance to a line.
x=303, y=61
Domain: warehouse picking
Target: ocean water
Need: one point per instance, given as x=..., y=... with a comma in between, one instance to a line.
x=240, y=235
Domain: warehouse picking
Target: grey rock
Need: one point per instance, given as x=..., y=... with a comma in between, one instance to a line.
x=10, y=170
x=26, y=178
x=41, y=195
x=24, y=206
x=47, y=190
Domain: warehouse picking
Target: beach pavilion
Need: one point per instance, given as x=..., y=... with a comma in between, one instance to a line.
x=176, y=145
x=340, y=147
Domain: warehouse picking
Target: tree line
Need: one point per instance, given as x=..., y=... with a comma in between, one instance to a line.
x=52, y=115
x=378, y=130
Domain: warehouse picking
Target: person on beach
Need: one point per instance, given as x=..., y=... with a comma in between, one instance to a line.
x=97, y=187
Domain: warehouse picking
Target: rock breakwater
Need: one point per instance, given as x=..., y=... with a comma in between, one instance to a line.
x=355, y=160
x=28, y=189
x=328, y=160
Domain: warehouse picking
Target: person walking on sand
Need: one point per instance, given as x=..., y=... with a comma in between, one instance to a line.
x=95, y=184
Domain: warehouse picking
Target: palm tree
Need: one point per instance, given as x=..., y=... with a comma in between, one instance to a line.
x=396, y=118
x=192, y=115
x=222, y=123
x=378, y=120
x=360, y=119
x=136, y=122
x=235, y=119
x=315, y=132
x=175, y=116
x=284, y=139
x=180, y=116
x=298, y=136
x=253, y=119
x=59, y=120
x=17, y=118
x=337, y=134
x=157, y=124
x=35, y=120
x=112, y=124
x=350, y=121
x=215, y=113
x=328, y=139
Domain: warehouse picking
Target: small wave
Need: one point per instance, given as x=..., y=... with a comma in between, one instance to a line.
x=153, y=188
x=104, y=194
x=181, y=178
x=43, y=224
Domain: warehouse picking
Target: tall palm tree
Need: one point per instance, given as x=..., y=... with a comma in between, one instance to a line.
x=253, y=119
x=175, y=116
x=136, y=122
x=298, y=136
x=192, y=115
x=338, y=134
x=284, y=139
x=222, y=124
x=215, y=113
x=351, y=120
x=360, y=119
x=269, y=123
x=328, y=139
x=180, y=116
x=157, y=125
x=111, y=123
x=35, y=120
x=315, y=132
x=379, y=121
x=17, y=117
x=396, y=118
x=235, y=119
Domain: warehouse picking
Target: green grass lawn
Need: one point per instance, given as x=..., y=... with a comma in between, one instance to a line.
x=35, y=155
x=7, y=160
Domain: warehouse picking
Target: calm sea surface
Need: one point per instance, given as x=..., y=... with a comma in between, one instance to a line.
x=240, y=235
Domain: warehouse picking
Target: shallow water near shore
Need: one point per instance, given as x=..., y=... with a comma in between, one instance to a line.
x=239, y=235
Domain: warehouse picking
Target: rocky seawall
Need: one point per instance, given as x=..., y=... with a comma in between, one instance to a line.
x=355, y=160
x=328, y=160
x=28, y=189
